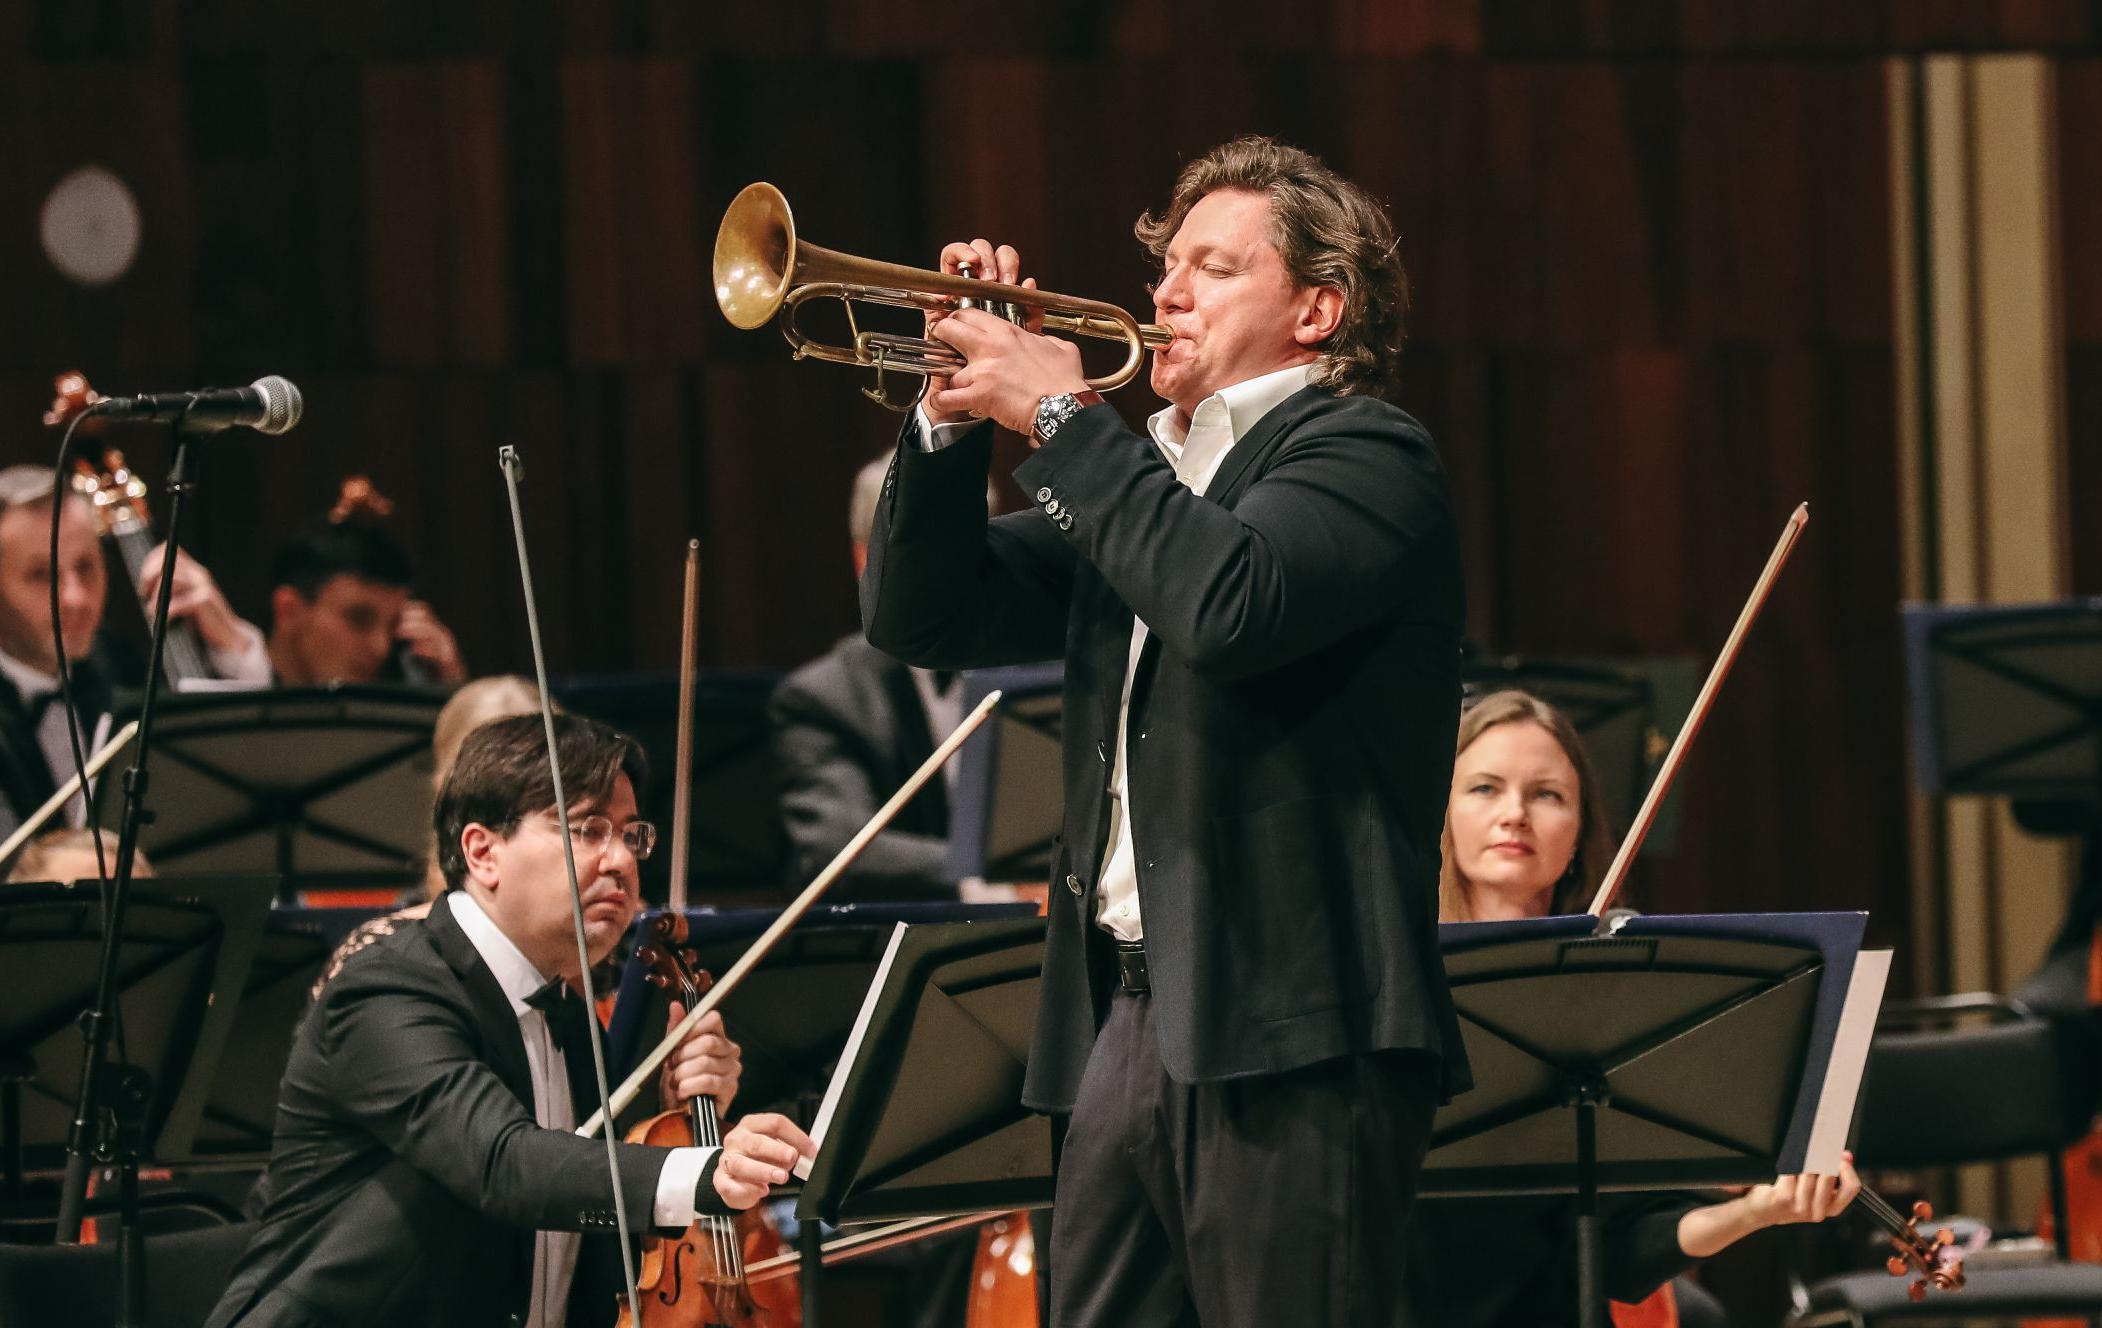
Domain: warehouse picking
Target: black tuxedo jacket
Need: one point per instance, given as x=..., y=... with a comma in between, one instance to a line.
x=848, y=730
x=407, y=1175
x=1291, y=727
x=26, y=776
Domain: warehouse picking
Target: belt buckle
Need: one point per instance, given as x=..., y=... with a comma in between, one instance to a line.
x=1131, y=967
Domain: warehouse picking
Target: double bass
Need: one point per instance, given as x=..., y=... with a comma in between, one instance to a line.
x=122, y=517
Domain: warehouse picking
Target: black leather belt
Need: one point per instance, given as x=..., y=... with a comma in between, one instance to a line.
x=1131, y=966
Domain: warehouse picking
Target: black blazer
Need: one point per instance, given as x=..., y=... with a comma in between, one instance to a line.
x=407, y=1175
x=1291, y=728
x=848, y=730
x=26, y=776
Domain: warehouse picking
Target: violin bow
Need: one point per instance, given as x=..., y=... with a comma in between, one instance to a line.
x=855, y=1244
x=771, y=937
x=1645, y=818
x=682, y=780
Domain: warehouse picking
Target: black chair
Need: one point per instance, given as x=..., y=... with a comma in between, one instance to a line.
x=1947, y=1097
x=77, y=1284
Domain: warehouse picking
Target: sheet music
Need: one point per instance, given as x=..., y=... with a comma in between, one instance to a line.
x=852, y=1052
x=1857, y=1026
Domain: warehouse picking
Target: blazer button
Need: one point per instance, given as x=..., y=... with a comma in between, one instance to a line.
x=1102, y=752
x=1072, y=883
x=1043, y=495
x=1052, y=508
x=1066, y=522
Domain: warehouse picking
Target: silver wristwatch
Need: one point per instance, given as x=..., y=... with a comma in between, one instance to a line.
x=1053, y=411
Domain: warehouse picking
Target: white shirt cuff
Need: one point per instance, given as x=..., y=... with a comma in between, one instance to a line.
x=675, y=1185
x=931, y=437
x=249, y=662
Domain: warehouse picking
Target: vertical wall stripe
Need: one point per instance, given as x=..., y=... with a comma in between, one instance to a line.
x=1982, y=422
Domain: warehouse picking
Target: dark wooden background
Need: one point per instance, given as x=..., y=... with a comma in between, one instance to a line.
x=1650, y=243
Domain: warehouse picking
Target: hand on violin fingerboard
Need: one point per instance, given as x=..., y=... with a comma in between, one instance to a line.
x=706, y=1062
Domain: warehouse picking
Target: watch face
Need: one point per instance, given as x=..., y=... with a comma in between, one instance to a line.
x=1052, y=412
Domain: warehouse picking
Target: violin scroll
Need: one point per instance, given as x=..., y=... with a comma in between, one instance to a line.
x=1928, y=1262
x=673, y=965
x=70, y=396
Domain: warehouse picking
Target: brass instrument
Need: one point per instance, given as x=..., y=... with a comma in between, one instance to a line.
x=763, y=270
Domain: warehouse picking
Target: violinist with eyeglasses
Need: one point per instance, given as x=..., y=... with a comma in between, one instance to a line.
x=425, y=1168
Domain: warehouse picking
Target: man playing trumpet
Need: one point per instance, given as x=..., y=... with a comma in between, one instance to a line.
x=1259, y=610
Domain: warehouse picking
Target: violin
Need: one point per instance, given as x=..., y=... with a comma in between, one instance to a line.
x=697, y=1279
x=118, y=496
x=1929, y=1262
x=1003, y=1275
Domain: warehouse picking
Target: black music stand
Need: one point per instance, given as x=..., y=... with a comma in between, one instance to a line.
x=793, y=1012
x=319, y=786
x=2007, y=700
x=1671, y=1052
x=1625, y=711
x=177, y=951
x=228, y=1114
x=1010, y=783
x=924, y=1116
x=739, y=844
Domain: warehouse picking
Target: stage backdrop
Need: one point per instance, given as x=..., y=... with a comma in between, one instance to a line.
x=1650, y=247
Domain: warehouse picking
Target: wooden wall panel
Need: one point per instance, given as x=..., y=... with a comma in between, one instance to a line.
x=1648, y=244
x=2080, y=218
x=435, y=149
x=129, y=120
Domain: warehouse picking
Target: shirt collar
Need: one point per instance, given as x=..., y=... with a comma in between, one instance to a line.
x=30, y=682
x=1238, y=406
x=507, y=963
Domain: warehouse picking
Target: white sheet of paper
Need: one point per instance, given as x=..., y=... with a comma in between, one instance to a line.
x=1857, y=1027
x=850, y=1052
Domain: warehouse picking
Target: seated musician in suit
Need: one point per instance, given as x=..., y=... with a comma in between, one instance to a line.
x=35, y=752
x=424, y=1169
x=849, y=728
x=1524, y=838
x=341, y=610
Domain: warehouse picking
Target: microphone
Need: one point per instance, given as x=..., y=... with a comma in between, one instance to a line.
x=268, y=405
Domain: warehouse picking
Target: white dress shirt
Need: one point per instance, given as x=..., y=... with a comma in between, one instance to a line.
x=32, y=683
x=1220, y=420
x=555, y=1252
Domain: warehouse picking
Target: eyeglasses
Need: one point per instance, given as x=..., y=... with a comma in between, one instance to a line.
x=594, y=833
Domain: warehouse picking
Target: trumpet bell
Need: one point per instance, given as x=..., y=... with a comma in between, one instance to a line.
x=755, y=256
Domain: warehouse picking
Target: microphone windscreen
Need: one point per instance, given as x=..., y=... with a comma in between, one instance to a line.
x=283, y=402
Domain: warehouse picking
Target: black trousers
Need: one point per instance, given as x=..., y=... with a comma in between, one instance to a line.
x=1267, y=1200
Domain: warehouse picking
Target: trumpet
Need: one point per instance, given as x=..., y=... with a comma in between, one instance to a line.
x=764, y=271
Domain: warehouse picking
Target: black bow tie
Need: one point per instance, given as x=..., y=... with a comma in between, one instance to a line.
x=37, y=706
x=563, y=1010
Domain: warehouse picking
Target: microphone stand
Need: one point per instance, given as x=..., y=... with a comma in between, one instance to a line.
x=123, y=1090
